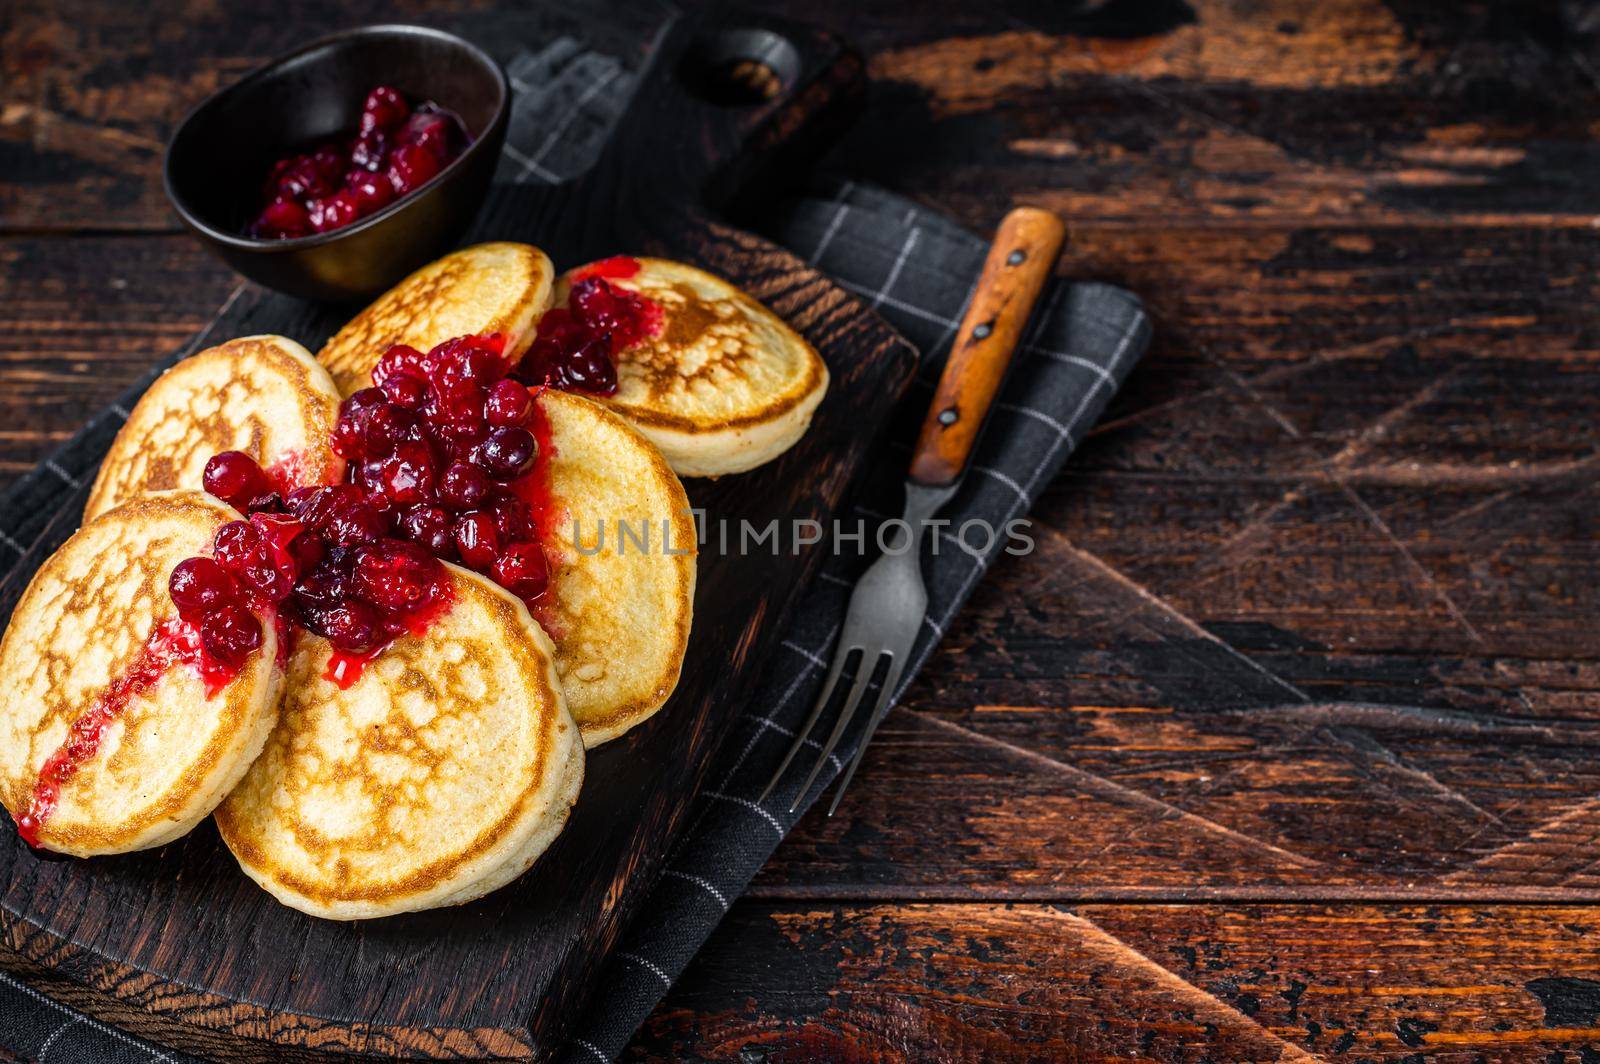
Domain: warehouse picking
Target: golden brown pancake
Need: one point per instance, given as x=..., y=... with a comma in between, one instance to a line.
x=487, y=288
x=438, y=776
x=173, y=754
x=725, y=386
x=264, y=395
x=619, y=609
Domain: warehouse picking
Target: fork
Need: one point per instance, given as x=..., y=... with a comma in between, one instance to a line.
x=890, y=600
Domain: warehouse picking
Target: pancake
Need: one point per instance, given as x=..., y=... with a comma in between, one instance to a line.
x=173, y=753
x=725, y=385
x=487, y=288
x=264, y=395
x=619, y=615
x=436, y=777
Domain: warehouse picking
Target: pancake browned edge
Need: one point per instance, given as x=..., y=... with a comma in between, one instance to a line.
x=438, y=776
x=725, y=386
x=264, y=395
x=174, y=753
x=487, y=288
x=619, y=609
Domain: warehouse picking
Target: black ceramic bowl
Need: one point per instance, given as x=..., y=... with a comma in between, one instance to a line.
x=221, y=153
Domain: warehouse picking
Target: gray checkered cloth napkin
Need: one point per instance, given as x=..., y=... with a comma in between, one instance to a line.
x=914, y=267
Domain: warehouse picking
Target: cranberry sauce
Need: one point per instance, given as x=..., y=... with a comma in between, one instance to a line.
x=446, y=458
x=577, y=345
x=323, y=557
x=452, y=444
x=172, y=643
x=396, y=150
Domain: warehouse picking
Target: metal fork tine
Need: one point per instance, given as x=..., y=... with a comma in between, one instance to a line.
x=868, y=666
x=839, y=658
x=879, y=710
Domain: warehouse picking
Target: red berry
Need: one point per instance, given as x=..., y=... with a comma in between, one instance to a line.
x=372, y=193
x=522, y=570
x=508, y=452
x=359, y=403
x=352, y=627
x=430, y=129
x=326, y=585
x=198, y=585
x=460, y=435
x=387, y=427
x=349, y=432
x=307, y=550
x=590, y=369
x=356, y=523
x=303, y=178
x=263, y=576
x=329, y=160
x=430, y=527
x=384, y=109
x=348, y=439
x=368, y=153
x=406, y=391
x=400, y=358
x=410, y=167
x=464, y=486
x=404, y=477
x=235, y=478
x=467, y=360
x=333, y=212
x=508, y=404
x=282, y=219
x=512, y=519
x=229, y=633
x=315, y=506
x=394, y=574
x=477, y=539
x=235, y=543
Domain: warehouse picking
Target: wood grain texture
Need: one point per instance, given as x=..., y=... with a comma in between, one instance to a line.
x=856, y=983
x=1299, y=685
x=1021, y=258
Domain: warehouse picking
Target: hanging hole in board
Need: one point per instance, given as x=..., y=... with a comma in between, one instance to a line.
x=741, y=67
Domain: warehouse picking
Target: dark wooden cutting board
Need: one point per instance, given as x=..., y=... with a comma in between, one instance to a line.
x=177, y=945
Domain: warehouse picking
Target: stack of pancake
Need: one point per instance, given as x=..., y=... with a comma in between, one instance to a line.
x=450, y=765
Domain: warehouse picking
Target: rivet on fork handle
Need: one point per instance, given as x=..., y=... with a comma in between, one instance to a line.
x=1019, y=263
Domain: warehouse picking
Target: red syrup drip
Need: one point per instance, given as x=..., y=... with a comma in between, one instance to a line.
x=535, y=488
x=172, y=643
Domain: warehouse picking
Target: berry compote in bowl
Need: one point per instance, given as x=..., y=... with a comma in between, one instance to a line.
x=426, y=142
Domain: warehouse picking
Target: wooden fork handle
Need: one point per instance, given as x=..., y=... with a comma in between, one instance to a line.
x=1024, y=252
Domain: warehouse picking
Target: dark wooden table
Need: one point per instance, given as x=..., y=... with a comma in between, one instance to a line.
x=1285, y=740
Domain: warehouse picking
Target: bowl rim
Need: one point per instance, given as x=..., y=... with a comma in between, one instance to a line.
x=237, y=240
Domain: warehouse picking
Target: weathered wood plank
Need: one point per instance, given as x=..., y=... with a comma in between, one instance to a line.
x=1172, y=983
x=1215, y=112
x=81, y=318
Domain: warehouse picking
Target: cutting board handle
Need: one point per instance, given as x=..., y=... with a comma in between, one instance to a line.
x=728, y=100
x=1024, y=252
